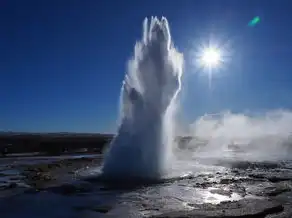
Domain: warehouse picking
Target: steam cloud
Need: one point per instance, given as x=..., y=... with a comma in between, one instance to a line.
x=263, y=136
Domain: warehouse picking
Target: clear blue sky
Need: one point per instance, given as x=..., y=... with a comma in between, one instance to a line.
x=62, y=62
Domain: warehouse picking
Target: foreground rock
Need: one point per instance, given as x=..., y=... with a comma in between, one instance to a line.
x=255, y=189
x=41, y=176
x=240, y=209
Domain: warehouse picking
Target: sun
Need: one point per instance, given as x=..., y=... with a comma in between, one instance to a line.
x=210, y=57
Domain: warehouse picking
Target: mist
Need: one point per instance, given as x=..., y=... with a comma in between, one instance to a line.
x=246, y=136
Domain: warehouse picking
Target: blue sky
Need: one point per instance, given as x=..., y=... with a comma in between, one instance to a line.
x=63, y=62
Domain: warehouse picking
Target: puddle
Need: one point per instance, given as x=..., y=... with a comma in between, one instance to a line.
x=10, y=172
x=215, y=198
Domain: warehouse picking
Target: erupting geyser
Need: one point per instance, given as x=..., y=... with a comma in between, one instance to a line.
x=142, y=148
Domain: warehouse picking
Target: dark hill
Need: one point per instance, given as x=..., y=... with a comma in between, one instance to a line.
x=52, y=142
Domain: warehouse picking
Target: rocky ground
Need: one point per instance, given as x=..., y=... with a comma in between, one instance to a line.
x=245, y=189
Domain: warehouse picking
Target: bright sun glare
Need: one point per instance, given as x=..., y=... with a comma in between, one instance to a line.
x=210, y=57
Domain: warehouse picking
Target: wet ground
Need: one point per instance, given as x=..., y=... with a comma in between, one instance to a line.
x=63, y=187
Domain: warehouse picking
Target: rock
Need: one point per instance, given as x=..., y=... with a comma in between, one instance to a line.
x=31, y=191
x=278, y=179
x=204, y=184
x=250, y=208
x=254, y=165
x=224, y=181
x=238, y=189
x=12, y=185
x=273, y=176
x=276, y=190
x=227, y=181
x=100, y=208
x=69, y=189
x=236, y=171
x=287, y=213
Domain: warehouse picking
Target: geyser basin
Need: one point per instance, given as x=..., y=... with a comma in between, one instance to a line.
x=143, y=145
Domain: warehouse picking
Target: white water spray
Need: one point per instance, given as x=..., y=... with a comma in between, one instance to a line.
x=143, y=145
